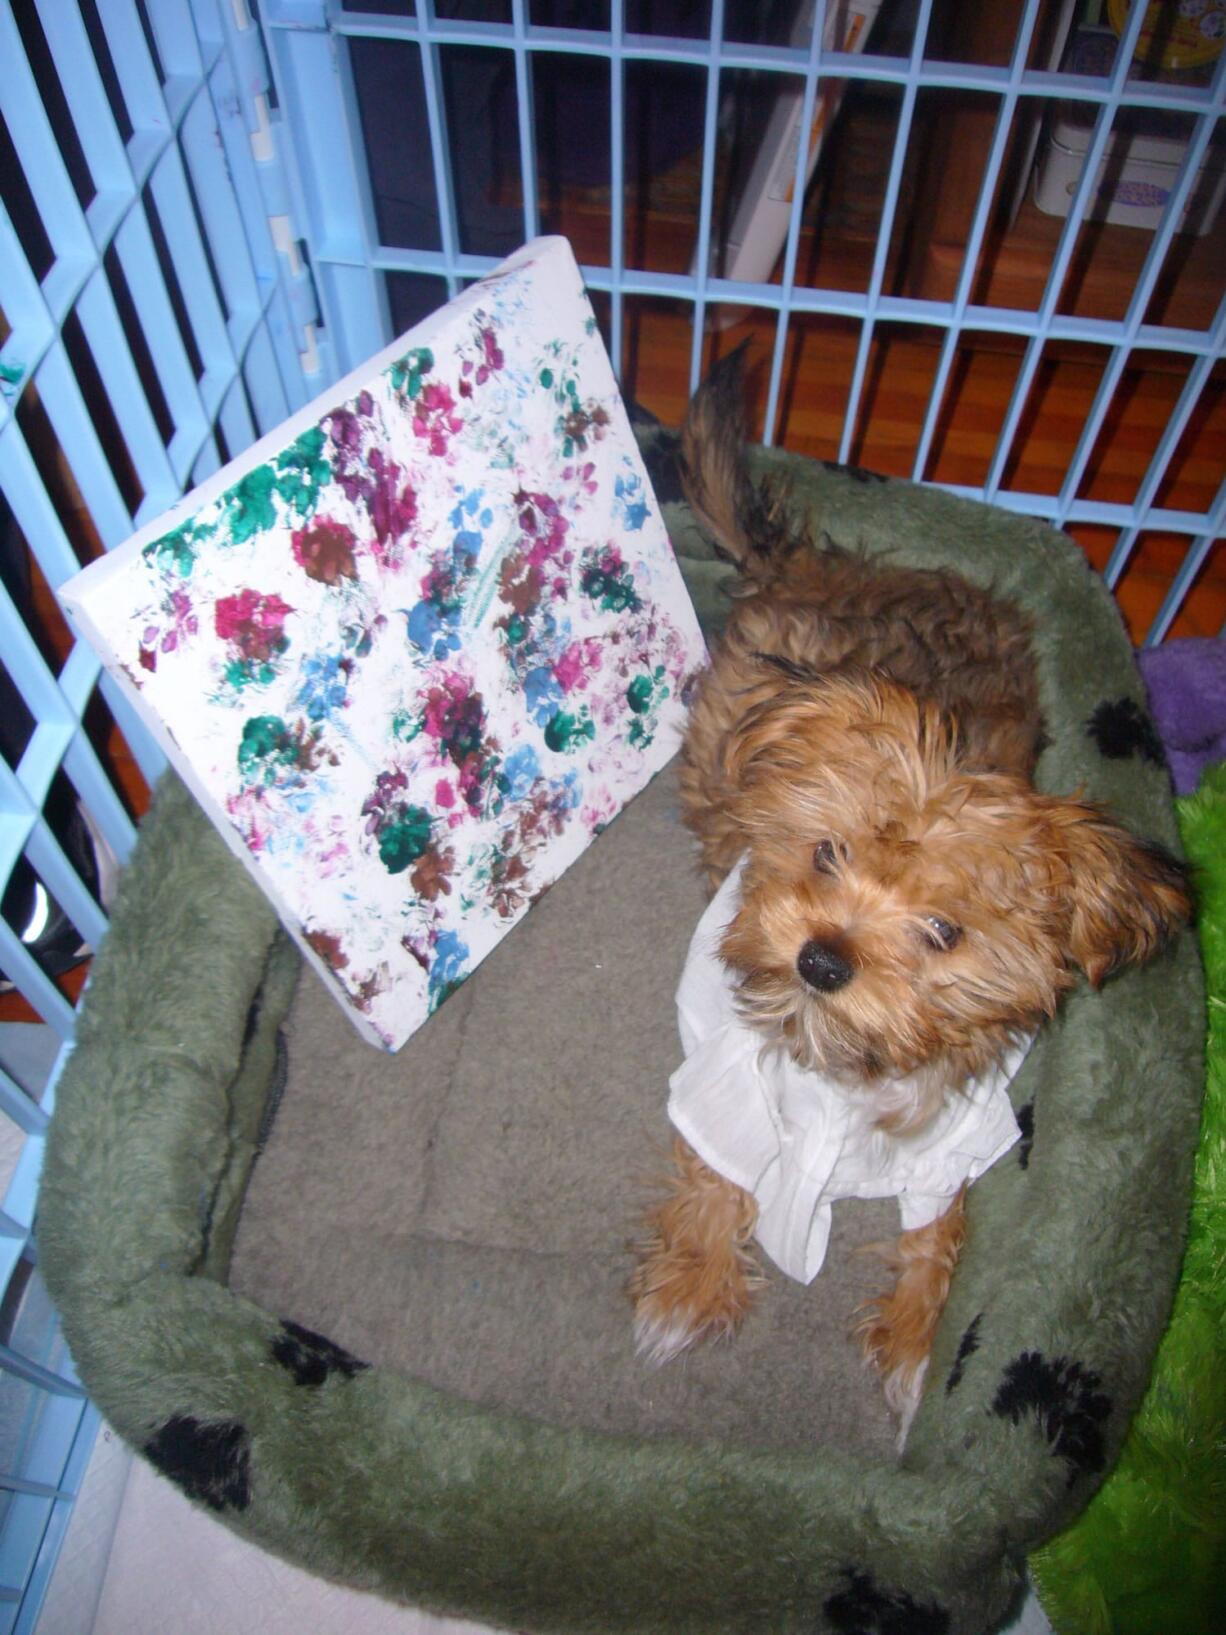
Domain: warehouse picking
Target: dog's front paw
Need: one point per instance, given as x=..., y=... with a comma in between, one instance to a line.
x=680, y=1300
x=896, y=1330
x=895, y=1340
x=695, y=1273
x=661, y=1334
x=901, y=1365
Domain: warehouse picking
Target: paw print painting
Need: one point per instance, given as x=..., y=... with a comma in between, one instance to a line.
x=416, y=648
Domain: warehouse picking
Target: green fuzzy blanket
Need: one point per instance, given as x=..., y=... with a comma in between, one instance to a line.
x=1149, y=1554
x=379, y=1479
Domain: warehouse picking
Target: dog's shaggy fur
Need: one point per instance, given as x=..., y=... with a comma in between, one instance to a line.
x=910, y=903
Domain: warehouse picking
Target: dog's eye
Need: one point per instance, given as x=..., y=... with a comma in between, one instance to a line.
x=940, y=934
x=825, y=857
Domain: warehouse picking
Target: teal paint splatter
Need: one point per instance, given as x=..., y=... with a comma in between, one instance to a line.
x=302, y=473
x=249, y=507
x=267, y=747
x=405, y=726
x=403, y=840
x=607, y=580
x=240, y=673
x=401, y=829
x=577, y=423
x=296, y=477
x=566, y=733
x=638, y=694
x=175, y=552
x=407, y=373
x=644, y=696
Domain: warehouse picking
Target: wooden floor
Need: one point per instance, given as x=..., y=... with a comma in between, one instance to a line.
x=817, y=373
x=836, y=251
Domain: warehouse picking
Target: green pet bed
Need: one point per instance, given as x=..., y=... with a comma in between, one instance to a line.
x=396, y=1349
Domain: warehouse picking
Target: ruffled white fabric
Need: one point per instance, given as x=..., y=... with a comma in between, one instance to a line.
x=799, y=1141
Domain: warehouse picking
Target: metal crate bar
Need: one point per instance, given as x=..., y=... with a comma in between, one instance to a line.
x=724, y=54
x=617, y=177
x=440, y=147
x=836, y=303
x=1145, y=512
x=813, y=69
x=1080, y=202
x=1192, y=564
x=975, y=238
x=162, y=281
x=706, y=199
x=884, y=231
x=1181, y=190
x=527, y=119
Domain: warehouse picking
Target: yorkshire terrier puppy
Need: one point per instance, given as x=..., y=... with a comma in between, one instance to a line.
x=909, y=905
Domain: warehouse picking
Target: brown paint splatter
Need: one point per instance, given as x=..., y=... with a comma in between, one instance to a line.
x=324, y=551
x=328, y=946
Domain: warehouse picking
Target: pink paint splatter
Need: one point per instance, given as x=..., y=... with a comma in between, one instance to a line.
x=575, y=668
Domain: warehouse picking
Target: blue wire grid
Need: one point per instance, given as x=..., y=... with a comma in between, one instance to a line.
x=152, y=329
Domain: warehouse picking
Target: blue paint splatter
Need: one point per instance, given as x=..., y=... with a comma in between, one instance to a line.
x=434, y=622
x=520, y=771
x=629, y=501
x=448, y=967
x=542, y=694
x=324, y=686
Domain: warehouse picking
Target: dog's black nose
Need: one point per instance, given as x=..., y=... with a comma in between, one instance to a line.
x=822, y=968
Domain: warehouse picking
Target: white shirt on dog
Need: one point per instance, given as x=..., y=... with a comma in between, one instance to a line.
x=797, y=1140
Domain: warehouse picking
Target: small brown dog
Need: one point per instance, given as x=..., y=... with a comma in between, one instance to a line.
x=909, y=903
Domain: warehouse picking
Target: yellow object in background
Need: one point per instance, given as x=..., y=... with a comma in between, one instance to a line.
x=1176, y=33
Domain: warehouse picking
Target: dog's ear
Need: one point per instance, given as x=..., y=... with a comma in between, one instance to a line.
x=826, y=738
x=772, y=737
x=1128, y=896
x=810, y=723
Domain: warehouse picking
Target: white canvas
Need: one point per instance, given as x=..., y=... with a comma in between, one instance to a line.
x=417, y=647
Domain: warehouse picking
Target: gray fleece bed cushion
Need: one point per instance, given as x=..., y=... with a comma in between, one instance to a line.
x=415, y=1374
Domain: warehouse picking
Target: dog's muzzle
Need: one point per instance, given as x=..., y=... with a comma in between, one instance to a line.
x=823, y=968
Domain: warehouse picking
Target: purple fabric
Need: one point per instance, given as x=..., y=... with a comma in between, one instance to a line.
x=1186, y=681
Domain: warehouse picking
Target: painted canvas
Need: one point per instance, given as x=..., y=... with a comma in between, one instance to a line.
x=417, y=648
